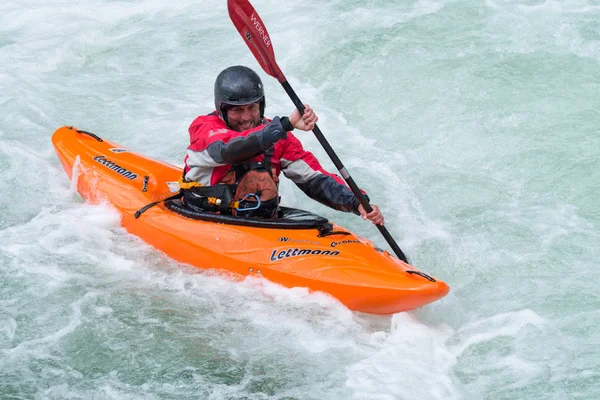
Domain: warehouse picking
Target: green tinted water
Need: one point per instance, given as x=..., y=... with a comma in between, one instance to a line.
x=473, y=125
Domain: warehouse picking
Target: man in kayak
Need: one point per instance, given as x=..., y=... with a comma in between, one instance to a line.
x=237, y=145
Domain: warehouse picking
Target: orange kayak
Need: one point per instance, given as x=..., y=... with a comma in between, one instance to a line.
x=300, y=249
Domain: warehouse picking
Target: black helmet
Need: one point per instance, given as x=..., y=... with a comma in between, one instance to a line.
x=238, y=86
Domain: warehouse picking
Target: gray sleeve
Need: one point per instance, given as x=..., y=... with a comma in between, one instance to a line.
x=331, y=193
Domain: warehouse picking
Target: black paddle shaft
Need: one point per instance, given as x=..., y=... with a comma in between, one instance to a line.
x=340, y=167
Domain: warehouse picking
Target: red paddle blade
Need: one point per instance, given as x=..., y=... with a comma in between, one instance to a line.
x=255, y=35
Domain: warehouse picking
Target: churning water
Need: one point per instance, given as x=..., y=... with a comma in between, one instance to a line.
x=474, y=125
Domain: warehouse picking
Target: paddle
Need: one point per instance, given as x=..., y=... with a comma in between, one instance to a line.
x=253, y=31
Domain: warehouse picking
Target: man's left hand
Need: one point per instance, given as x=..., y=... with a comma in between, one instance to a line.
x=374, y=216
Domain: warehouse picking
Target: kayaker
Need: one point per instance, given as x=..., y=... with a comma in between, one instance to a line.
x=237, y=145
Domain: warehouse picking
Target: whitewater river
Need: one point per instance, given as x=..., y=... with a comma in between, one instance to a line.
x=474, y=125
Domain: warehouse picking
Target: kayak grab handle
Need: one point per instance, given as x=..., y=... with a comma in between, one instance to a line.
x=323, y=234
x=327, y=230
x=423, y=274
x=98, y=138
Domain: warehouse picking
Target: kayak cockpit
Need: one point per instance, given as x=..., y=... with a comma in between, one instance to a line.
x=287, y=218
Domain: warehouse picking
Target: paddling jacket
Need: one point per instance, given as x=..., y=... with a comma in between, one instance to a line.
x=214, y=149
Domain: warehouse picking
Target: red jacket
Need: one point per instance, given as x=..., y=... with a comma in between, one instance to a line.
x=214, y=148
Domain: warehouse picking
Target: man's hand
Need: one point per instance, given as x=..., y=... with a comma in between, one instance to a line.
x=374, y=216
x=308, y=120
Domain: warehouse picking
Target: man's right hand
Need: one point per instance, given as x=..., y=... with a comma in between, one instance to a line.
x=374, y=216
x=308, y=120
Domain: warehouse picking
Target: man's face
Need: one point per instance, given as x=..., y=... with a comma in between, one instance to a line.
x=242, y=118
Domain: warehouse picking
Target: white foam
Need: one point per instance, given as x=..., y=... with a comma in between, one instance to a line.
x=487, y=329
x=75, y=171
x=412, y=355
x=41, y=344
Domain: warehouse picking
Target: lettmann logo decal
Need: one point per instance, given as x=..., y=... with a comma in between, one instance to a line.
x=115, y=167
x=276, y=256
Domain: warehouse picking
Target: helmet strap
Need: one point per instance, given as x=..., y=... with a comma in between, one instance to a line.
x=262, y=108
x=223, y=112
